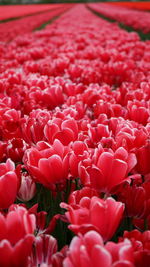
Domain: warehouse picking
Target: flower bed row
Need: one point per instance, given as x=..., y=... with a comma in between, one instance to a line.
x=9, y=30
x=138, y=20
x=135, y=5
x=9, y=12
x=74, y=149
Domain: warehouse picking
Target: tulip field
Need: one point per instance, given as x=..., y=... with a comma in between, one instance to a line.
x=17, y=11
x=75, y=136
x=134, y=5
x=136, y=19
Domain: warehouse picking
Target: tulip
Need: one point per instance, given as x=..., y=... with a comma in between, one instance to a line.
x=45, y=252
x=8, y=184
x=79, y=152
x=95, y=213
x=65, y=131
x=138, y=112
x=32, y=126
x=89, y=250
x=76, y=196
x=10, y=124
x=16, y=237
x=143, y=154
x=141, y=246
x=27, y=188
x=15, y=149
x=109, y=169
x=48, y=164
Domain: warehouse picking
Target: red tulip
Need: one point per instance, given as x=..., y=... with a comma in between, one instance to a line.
x=79, y=152
x=143, y=154
x=141, y=246
x=48, y=164
x=76, y=196
x=15, y=149
x=95, y=213
x=8, y=184
x=134, y=198
x=63, y=130
x=49, y=97
x=16, y=237
x=10, y=124
x=138, y=111
x=33, y=125
x=3, y=146
x=109, y=169
x=97, y=133
x=89, y=250
x=128, y=134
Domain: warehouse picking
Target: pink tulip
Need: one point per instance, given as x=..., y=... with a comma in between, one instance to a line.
x=27, y=188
